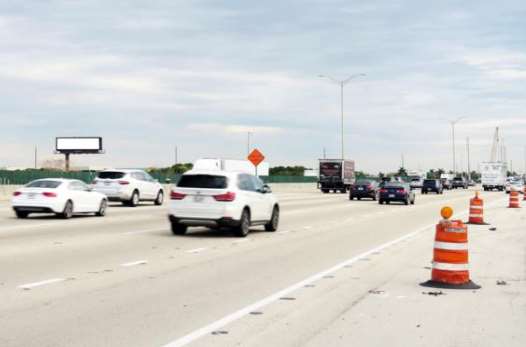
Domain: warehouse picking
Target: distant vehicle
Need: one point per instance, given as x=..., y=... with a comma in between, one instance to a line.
x=129, y=186
x=459, y=182
x=493, y=175
x=62, y=197
x=232, y=165
x=446, y=180
x=222, y=199
x=416, y=179
x=515, y=185
x=336, y=175
x=364, y=189
x=472, y=183
x=432, y=185
x=395, y=191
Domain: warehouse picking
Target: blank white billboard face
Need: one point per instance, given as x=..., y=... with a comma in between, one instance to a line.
x=79, y=144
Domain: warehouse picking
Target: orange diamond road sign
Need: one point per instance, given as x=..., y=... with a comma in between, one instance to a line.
x=256, y=157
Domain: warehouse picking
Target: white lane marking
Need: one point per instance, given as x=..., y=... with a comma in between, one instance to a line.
x=134, y=263
x=196, y=250
x=41, y=283
x=283, y=232
x=185, y=340
x=307, y=227
x=241, y=241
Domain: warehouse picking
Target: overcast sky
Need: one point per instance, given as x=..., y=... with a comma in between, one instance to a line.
x=149, y=75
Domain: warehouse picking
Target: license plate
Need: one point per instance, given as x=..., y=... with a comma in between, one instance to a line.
x=391, y=195
x=361, y=188
x=31, y=195
x=199, y=198
x=107, y=183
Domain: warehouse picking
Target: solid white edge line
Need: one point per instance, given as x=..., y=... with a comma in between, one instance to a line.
x=133, y=263
x=196, y=334
x=41, y=283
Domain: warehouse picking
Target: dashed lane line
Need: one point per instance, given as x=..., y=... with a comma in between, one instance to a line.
x=29, y=286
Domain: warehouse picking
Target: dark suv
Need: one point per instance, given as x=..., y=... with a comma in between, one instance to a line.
x=396, y=191
x=460, y=182
x=432, y=186
x=364, y=189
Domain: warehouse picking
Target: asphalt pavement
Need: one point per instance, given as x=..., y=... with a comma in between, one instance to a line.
x=337, y=273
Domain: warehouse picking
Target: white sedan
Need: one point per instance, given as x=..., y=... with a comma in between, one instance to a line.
x=64, y=197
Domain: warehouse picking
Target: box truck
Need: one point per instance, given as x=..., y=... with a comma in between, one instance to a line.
x=336, y=175
x=493, y=175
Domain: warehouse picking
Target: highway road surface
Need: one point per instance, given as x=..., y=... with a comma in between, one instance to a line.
x=337, y=273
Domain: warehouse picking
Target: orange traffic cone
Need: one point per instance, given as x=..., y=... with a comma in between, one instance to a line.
x=450, y=255
x=514, y=199
x=476, y=210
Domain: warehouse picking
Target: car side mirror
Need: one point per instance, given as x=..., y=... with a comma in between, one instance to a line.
x=266, y=189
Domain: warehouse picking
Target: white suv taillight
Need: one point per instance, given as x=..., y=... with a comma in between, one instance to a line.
x=229, y=196
x=176, y=196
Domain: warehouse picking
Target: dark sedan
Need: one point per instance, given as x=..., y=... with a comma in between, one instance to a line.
x=432, y=186
x=394, y=191
x=364, y=189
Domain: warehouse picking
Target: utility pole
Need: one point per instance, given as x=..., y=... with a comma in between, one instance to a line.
x=36, y=158
x=324, y=153
x=176, y=155
x=469, y=166
x=403, y=164
x=248, y=142
x=453, y=122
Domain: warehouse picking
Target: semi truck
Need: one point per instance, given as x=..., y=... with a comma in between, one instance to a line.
x=493, y=175
x=336, y=175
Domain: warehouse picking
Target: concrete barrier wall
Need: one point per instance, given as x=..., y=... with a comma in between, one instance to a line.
x=6, y=191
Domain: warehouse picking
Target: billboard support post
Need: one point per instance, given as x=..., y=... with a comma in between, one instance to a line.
x=67, y=161
x=77, y=145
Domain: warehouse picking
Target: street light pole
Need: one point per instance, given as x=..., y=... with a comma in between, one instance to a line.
x=453, y=122
x=248, y=142
x=342, y=84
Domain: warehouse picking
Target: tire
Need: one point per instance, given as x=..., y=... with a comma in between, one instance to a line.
x=134, y=201
x=351, y=197
x=159, y=199
x=380, y=202
x=413, y=202
x=325, y=191
x=102, y=208
x=21, y=214
x=178, y=229
x=375, y=197
x=387, y=202
x=68, y=210
x=244, y=224
x=406, y=202
x=359, y=198
x=273, y=223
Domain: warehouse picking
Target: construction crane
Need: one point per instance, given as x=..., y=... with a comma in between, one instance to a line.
x=498, y=150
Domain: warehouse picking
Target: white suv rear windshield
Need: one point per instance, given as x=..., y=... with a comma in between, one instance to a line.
x=112, y=175
x=203, y=181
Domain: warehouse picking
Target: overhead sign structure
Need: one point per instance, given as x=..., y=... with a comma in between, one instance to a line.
x=78, y=145
x=256, y=158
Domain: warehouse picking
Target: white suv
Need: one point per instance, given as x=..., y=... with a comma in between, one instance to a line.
x=222, y=199
x=129, y=186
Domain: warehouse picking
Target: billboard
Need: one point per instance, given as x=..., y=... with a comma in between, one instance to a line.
x=78, y=144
